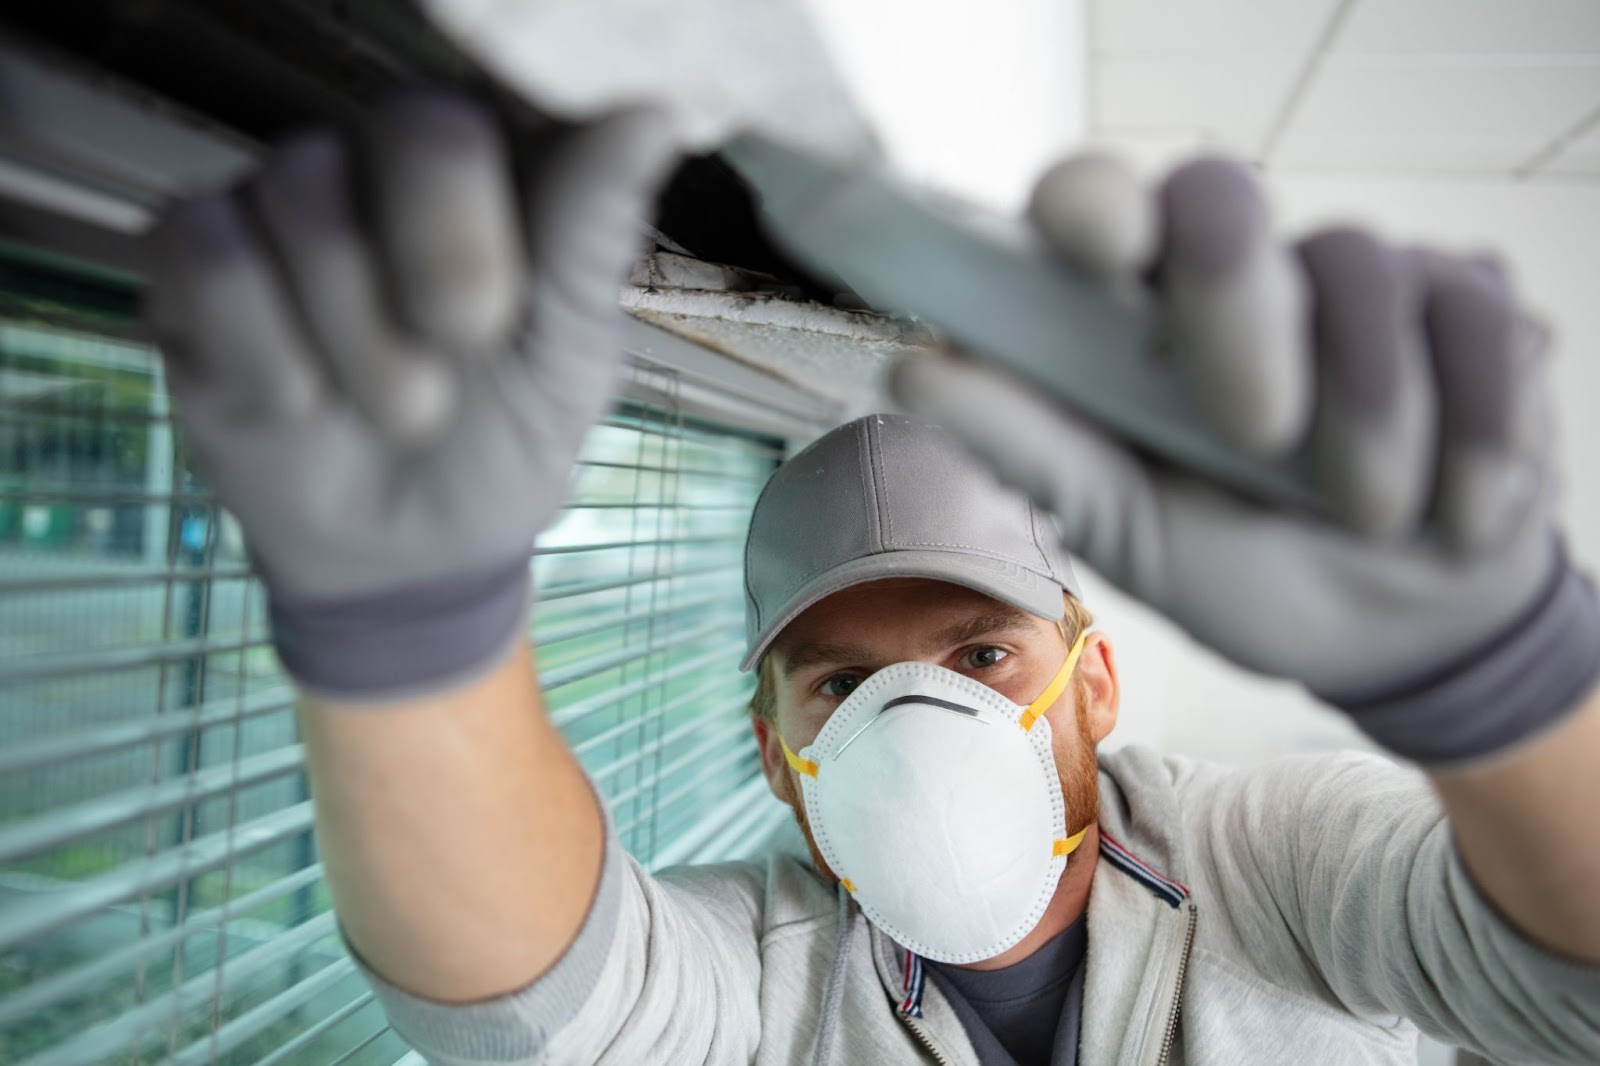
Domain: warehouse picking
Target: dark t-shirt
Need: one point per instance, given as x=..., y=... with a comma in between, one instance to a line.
x=1025, y=1014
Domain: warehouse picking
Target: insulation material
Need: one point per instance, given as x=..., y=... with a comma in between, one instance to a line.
x=838, y=352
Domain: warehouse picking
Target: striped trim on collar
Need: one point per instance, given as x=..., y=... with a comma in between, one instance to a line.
x=1173, y=893
x=911, y=1000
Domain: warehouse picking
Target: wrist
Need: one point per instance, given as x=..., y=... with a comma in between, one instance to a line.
x=409, y=641
x=1511, y=688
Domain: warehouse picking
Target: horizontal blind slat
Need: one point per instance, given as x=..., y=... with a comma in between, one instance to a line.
x=695, y=756
x=73, y=664
x=679, y=811
x=33, y=755
x=147, y=1022
x=675, y=471
x=228, y=1036
x=584, y=588
x=64, y=825
x=562, y=676
x=131, y=576
x=46, y=993
x=22, y=922
x=571, y=714
x=703, y=769
x=578, y=505
x=747, y=835
x=744, y=445
x=110, y=494
x=545, y=637
x=748, y=798
x=633, y=725
x=105, y=660
x=360, y=1045
x=658, y=542
x=285, y=1052
x=731, y=729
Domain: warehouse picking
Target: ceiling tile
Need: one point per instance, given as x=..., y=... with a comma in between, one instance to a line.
x=1400, y=158
x=1208, y=25
x=1447, y=115
x=1227, y=100
x=1581, y=158
x=1474, y=26
x=1154, y=153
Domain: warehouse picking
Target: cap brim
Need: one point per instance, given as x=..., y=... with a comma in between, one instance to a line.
x=1022, y=588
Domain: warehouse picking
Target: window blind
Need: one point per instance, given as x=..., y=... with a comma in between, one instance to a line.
x=160, y=895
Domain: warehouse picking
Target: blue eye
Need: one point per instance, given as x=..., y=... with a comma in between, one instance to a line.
x=988, y=655
x=840, y=685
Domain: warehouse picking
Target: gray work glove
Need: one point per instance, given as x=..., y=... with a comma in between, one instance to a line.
x=1434, y=604
x=389, y=390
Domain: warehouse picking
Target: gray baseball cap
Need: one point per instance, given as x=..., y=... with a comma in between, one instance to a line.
x=891, y=496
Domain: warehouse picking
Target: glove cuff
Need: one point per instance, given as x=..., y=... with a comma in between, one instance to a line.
x=402, y=642
x=1517, y=685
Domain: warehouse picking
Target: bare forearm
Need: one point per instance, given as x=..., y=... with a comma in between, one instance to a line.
x=461, y=840
x=1525, y=825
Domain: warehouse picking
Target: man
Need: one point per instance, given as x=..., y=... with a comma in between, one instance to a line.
x=389, y=396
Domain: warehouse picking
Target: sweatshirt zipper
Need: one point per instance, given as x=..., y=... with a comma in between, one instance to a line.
x=1177, y=991
x=924, y=1039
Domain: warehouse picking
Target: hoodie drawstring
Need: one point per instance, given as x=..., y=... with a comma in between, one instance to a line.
x=834, y=999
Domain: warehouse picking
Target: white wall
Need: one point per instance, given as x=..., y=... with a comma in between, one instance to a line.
x=971, y=97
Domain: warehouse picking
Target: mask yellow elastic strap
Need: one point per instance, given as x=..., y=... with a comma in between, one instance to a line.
x=801, y=766
x=1057, y=685
x=806, y=766
x=1069, y=845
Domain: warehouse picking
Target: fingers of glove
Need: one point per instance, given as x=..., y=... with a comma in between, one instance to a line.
x=1490, y=399
x=1098, y=216
x=1375, y=436
x=226, y=328
x=302, y=199
x=446, y=221
x=1236, y=308
x=1105, y=501
x=590, y=195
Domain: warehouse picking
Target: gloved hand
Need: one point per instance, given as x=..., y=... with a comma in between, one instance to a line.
x=389, y=390
x=1436, y=606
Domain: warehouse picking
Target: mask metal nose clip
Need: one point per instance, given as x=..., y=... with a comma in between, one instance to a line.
x=921, y=701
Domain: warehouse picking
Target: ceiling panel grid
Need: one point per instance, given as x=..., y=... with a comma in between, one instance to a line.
x=1486, y=88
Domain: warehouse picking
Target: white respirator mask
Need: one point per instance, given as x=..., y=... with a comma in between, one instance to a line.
x=937, y=803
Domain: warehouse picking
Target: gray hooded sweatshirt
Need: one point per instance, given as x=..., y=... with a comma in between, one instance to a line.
x=1313, y=910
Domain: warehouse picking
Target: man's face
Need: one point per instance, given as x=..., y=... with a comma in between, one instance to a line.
x=822, y=655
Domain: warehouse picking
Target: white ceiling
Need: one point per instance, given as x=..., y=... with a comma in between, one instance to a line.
x=1507, y=88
